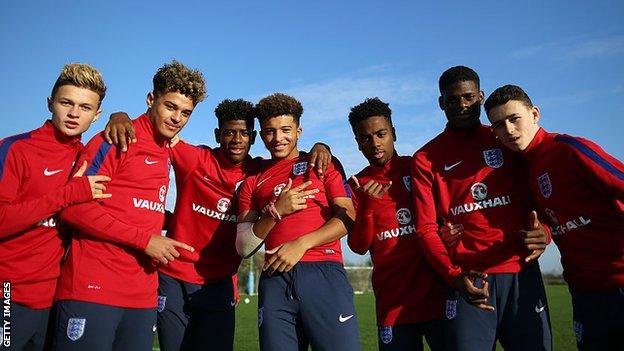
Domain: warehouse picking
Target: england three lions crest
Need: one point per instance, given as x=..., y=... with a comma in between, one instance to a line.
x=545, y=186
x=299, y=168
x=493, y=158
x=76, y=328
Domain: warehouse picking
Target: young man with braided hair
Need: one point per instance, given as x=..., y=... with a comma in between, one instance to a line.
x=196, y=299
x=408, y=291
x=107, y=290
x=304, y=295
x=34, y=172
x=463, y=176
x=579, y=189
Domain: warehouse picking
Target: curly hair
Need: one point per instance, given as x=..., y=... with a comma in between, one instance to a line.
x=279, y=104
x=232, y=110
x=458, y=74
x=175, y=77
x=506, y=93
x=371, y=107
x=81, y=75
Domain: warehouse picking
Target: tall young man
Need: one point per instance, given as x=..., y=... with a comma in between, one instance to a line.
x=408, y=292
x=196, y=298
x=304, y=296
x=107, y=290
x=34, y=172
x=579, y=189
x=463, y=176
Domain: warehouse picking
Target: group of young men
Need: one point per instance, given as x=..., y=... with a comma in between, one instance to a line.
x=454, y=232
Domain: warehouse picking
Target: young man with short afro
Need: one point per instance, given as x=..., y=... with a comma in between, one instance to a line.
x=579, y=189
x=107, y=290
x=304, y=295
x=408, y=291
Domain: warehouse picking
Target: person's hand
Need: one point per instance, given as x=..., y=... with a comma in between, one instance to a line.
x=474, y=288
x=284, y=257
x=119, y=131
x=293, y=200
x=535, y=239
x=320, y=158
x=96, y=182
x=164, y=250
x=372, y=188
x=450, y=233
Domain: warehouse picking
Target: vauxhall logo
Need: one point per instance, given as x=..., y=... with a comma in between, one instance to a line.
x=479, y=192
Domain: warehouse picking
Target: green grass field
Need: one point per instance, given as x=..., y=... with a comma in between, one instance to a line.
x=558, y=299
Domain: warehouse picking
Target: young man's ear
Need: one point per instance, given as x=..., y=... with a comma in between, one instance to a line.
x=481, y=97
x=536, y=113
x=149, y=99
x=217, y=134
x=50, y=101
x=97, y=115
x=393, y=134
x=441, y=102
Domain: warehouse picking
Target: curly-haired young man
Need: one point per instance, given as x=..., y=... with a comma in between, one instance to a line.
x=304, y=296
x=408, y=292
x=579, y=189
x=107, y=290
x=34, y=172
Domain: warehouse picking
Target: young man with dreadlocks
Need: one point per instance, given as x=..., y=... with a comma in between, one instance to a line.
x=304, y=295
x=463, y=176
x=408, y=291
x=107, y=290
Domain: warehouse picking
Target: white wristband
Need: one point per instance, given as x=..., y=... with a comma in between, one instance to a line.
x=247, y=243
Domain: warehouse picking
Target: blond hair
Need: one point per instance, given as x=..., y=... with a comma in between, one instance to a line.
x=81, y=75
x=177, y=78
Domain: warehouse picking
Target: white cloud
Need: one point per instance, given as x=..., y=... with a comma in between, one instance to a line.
x=574, y=49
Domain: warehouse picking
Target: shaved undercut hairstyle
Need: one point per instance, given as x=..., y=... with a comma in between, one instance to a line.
x=371, y=107
x=505, y=94
x=174, y=77
x=81, y=75
x=279, y=104
x=456, y=75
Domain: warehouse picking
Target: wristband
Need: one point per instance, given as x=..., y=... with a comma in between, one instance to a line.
x=271, y=210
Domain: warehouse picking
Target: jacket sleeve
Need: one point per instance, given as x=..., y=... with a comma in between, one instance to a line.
x=92, y=218
x=17, y=216
x=185, y=158
x=602, y=171
x=361, y=236
x=426, y=219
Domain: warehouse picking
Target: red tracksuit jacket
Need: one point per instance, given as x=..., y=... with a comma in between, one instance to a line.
x=469, y=178
x=34, y=169
x=407, y=289
x=580, y=191
x=106, y=263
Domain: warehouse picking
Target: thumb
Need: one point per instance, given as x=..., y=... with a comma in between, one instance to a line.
x=273, y=250
x=355, y=181
x=288, y=185
x=81, y=170
x=533, y=220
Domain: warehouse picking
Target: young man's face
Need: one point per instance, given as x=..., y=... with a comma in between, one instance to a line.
x=235, y=138
x=461, y=102
x=280, y=135
x=74, y=109
x=375, y=138
x=515, y=124
x=169, y=112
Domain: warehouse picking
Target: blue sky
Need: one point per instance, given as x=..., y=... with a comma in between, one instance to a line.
x=331, y=55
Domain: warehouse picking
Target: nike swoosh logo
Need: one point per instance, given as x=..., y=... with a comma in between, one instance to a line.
x=448, y=168
x=148, y=162
x=342, y=319
x=539, y=309
x=49, y=173
x=262, y=181
x=233, y=303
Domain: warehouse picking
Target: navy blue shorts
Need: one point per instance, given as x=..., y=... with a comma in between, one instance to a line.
x=94, y=327
x=26, y=328
x=312, y=304
x=521, y=320
x=409, y=337
x=195, y=317
x=598, y=319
